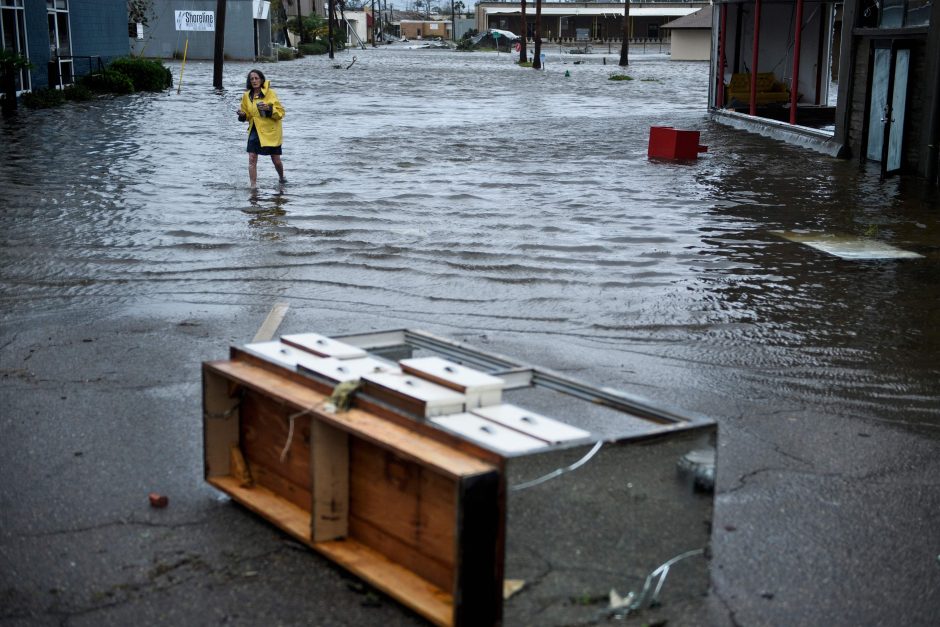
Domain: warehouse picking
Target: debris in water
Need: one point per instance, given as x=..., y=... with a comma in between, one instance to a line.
x=512, y=586
x=158, y=500
x=848, y=246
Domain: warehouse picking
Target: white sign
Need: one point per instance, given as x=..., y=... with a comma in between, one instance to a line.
x=140, y=31
x=195, y=20
x=260, y=9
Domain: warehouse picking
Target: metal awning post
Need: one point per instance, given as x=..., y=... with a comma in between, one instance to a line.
x=754, y=58
x=795, y=82
x=722, y=56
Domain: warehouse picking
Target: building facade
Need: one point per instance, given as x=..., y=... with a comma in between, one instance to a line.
x=889, y=92
x=63, y=39
x=884, y=55
x=691, y=36
x=585, y=21
x=247, y=31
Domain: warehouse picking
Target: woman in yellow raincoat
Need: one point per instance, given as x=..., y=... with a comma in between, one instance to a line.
x=263, y=112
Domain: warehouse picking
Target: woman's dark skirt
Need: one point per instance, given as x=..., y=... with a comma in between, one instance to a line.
x=254, y=145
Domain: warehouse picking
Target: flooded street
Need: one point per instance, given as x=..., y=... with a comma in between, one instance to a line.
x=517, y=210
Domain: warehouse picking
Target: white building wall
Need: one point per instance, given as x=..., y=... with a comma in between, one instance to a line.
x=691, y=44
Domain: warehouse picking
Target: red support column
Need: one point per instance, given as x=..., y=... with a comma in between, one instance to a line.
x=795, y=82
x=722, y=59
x=755, y=57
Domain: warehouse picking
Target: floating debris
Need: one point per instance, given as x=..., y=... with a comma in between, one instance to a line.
x=848, y=246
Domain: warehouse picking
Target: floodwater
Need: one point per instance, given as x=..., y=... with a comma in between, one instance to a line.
x=456, y=188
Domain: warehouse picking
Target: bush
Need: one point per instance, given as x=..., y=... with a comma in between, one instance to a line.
x=145, y=74
x=108, y=81
x=43, y=99
x=286, y=54
x=620, y=77
x=316, y=47
x=77, y=93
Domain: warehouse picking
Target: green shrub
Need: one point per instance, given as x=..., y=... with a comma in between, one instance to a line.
x=286, y=54
x=620, y=77
x=109, y=81
x=77, y=92
x=316, y=47
x=145, y=74
x=43, y=99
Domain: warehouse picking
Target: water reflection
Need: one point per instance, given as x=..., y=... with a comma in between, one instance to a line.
x=266, y=210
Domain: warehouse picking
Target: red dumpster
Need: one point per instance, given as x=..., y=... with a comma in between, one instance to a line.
x=669, y=143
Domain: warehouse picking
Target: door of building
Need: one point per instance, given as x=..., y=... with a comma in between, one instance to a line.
x=60, y=44
x=887, y=105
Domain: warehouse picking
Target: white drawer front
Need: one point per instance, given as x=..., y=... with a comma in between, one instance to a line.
x=528, y=422
x=282, y=354
x=452, y=374
x=431, y=394
x=323, y=346
x=490, y=434
x=350, y=369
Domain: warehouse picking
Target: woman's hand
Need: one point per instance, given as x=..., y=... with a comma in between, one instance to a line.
x=242, y=116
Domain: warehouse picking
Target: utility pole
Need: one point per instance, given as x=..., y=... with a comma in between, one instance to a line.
x=537, y=53
x=331, y=11
x=372, y=16
x=219, y=53
x=625, y=45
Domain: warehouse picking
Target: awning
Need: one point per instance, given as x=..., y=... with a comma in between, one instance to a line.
x=575, y=11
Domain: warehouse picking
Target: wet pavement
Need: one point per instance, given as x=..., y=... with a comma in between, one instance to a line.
x=512, y=209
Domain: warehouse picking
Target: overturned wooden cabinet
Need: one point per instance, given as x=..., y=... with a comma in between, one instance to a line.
x=568, y=489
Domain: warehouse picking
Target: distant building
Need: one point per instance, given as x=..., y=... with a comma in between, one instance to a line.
x=691, y=36
x=585, y=21
x=425, y=29
x=63, y=39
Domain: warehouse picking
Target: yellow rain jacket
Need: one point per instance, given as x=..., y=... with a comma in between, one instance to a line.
x=269, y=128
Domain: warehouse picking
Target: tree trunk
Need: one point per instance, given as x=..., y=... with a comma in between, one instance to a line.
x=300, y=24
x=522, y=44
x=625, y=46
x=537, y=52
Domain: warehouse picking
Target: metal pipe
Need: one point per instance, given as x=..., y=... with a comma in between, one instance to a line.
x=795, y=81
x=722, y=56
x=755, y=57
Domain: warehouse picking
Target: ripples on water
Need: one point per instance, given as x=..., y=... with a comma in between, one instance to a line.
x=458, y=189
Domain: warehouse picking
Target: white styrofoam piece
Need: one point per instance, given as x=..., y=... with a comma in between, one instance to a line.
x=480, y=388
x=490, y=434
x=531, y=423
x=340, y=370
x=324, y=346
x=436, y=398
x=282, y=354
x=848, y=246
